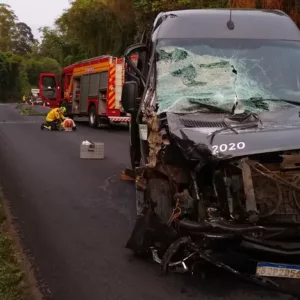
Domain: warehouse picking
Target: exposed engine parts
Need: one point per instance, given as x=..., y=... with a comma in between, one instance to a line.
x=196, y=205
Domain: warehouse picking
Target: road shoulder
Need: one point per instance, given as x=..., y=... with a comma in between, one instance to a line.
x=17, y=280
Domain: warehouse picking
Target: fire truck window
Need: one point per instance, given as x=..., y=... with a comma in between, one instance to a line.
x=76, y=89
x=49, y=87
x=103, y=80
x=94, y=84
x=48, y=81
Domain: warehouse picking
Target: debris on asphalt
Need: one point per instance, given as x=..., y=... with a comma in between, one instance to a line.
x=127, y=175
x=91, y=150
x=29, y=111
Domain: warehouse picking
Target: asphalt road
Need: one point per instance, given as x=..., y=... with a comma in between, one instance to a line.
x=75, y=217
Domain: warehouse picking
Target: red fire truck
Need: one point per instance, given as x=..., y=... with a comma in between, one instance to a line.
x=91, y=87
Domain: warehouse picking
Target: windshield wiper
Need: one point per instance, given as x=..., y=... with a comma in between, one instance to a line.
x=210, y=107
x=244, y=116
x=241, y=117
x=232, y=128
x=274, y=100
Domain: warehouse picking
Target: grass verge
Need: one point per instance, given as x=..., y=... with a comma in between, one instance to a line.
x=29, y=111
x=19, y=105
x=13, y=282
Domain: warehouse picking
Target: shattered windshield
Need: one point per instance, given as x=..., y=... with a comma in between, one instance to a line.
x=195, y=73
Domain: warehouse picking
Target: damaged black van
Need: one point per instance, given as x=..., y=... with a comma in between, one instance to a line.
x=214, y=142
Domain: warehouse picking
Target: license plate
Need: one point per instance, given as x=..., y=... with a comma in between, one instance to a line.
x=278, y=270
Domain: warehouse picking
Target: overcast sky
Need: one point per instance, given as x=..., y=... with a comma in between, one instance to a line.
x=37, y=13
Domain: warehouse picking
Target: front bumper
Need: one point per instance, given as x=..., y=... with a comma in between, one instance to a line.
x=119, y=119
x=181, y=250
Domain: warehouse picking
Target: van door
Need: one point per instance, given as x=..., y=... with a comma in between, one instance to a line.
x=49, y=89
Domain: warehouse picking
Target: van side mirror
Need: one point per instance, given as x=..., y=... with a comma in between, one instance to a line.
x=129, y=95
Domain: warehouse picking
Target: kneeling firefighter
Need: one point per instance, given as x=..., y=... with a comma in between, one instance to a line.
x=55, y=117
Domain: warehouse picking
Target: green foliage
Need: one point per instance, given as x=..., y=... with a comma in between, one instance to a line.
x=93, y=27
x=10, y=73
x=22, y=39
x=32, y=69
x=7, y=27
x=147, y=10
x=96, y=27
x=57, y=46
x=14, y=36
x=18, y=75
x=25, y=85
x=12, y=283
x=21, y=58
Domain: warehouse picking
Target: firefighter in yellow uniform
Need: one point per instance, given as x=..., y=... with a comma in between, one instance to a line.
x=55, y=116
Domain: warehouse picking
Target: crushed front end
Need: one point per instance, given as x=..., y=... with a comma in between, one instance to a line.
x=240, y=213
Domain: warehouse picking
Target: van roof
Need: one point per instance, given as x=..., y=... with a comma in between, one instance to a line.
x=212, y=23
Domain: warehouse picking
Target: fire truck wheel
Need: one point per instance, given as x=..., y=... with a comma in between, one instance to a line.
x=93, y=118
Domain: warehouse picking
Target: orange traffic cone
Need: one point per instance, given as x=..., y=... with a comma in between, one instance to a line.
x=44, y=104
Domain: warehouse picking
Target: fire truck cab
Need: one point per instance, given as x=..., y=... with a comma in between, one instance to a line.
x=92, y=88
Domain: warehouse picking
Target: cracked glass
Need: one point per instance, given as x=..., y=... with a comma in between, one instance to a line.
x=219, y=73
